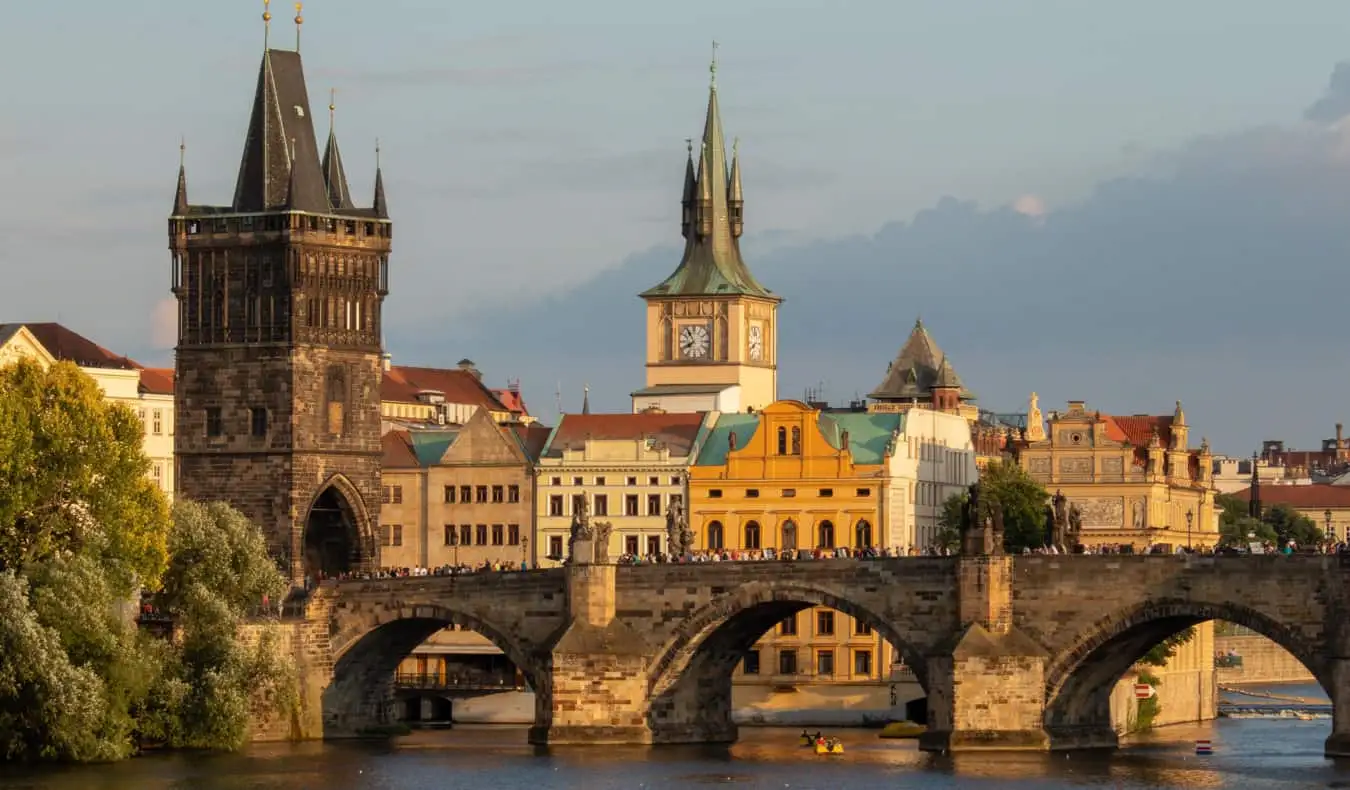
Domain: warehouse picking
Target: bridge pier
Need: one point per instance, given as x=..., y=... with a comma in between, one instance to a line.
x=988, y=694
x=1338, y=742
x=594, y=684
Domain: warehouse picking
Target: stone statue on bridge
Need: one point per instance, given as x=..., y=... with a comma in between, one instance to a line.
x=601, y=532
x=1058, y=535
x=581, y=530
x=679, y=538
x=1073, y=535
x=981, y=525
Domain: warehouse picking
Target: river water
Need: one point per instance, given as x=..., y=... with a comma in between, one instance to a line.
x=1251, y=754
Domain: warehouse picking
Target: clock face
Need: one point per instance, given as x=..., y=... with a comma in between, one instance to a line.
x=756, y=342
x=694, y=342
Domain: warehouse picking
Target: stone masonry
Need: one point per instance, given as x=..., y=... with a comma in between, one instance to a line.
x=1014, y=652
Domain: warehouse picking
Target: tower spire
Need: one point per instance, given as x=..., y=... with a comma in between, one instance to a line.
x=334, y=174
x=180, y=201
x=687, y=202
x=735, y=198
x=299, y=20
x=380, y=206
x=586, y=399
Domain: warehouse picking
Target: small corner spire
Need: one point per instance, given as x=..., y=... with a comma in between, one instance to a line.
x=586, y=399
x=380, y=206
x=180, y=202
x=267, y=22
x=299, y=21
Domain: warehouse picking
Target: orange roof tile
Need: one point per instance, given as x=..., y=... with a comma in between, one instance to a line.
x=677, y=431
x=157, y=381
x=1309, y=497
x=403, y=383
x=1138, y=429
x=398, y=452
x=513, y=401
x=533, y=437
x=70, y=346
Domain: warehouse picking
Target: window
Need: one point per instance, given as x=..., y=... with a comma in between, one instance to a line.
x=752, y=493
x=602, y=504
x=449, y=495
x=674, y=480
x=796, y=440
x=825, y=623
x=576, y=481
x=826, y=492
x=752, y=534
x=214, y=426
x=715, y=542
x=782, y=441
x=158, y=473
x=861, y=629
x=715, y=493
x=159, y=422
x=140, y=414
x=862, y=662
x=513, y=534
x=630, y=545
x=599, y=481
x=555, y=547
x=513, y=494
x=630, y=505
x=750, y=664
x=577, y=499
x=466, y=494
x=480, y=494
x=787, y=662
x=632, y=481
x=480, y=534
x=450, y=535
x=557, y=481
x=653, y=545
x=789, y=492
x=384, y=495
x=498, y=495
x=826, y=535
x=653, y=504
x=258, y=418
x=656, y=481
x=393, y=535
x=862, y=534
x=398, y=495
x=825, y=662
x=864, y=492
x=466, y=534
x=498, y=535
x=789, y=535
x=337, y=400
x=555, y=505
x=789, y=626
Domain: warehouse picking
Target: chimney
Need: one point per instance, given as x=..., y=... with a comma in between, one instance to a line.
x=386, y=361
x=468, y=366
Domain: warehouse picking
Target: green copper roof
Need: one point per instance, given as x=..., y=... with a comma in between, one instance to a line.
x=868, y=434
x=712, y=263
x=717, y=443
x=430, y=446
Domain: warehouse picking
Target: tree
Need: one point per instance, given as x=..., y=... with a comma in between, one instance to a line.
x=1160, y=653
x=215, y=551
x=1291, y=525
x=1008, y=487
x=949, y=523
x=73, y=476
x=1233, y=508
x=1244, y=530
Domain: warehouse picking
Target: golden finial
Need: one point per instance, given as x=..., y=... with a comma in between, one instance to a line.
x=712, y=67
x=299, y=20
x=182, y=151
x=267, y=21
x=332, y=105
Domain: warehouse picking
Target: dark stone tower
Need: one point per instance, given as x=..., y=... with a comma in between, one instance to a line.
x=277, y=398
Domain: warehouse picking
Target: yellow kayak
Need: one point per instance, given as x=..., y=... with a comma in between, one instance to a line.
x=902, y=729
x=821, y=748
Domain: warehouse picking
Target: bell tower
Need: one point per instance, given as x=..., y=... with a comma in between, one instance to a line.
x=280, y=294
x=712, y=329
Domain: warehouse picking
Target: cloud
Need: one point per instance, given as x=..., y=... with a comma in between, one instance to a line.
x=1216, y=274
x=1335, y=102
x=164, y=324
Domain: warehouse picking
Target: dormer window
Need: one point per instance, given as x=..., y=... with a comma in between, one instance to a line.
x=299, y=111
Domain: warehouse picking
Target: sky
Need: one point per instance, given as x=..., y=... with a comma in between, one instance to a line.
x=1128, y=203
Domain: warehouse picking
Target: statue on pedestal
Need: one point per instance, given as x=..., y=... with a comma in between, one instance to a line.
x=581, y=526
x=679, y=537
x=1075, y=530
x=1060, y=534
x=601, y=530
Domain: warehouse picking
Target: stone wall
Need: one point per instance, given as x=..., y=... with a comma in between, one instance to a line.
x=1263, y=661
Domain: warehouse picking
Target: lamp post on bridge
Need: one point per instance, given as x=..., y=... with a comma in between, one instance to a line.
x=1328, y=538
x=1190, y=519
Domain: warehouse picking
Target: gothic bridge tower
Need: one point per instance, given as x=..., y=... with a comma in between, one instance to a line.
x=277, y=394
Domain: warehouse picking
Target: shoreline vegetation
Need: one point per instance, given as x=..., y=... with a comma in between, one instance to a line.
x=83, y=532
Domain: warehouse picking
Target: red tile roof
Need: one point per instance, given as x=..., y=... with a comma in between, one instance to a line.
x=1309, y=497
x=70, y=346
x=513, y=401
x=398, y=452
x=532, y=437
x=402, y=383
x=677, y=431
x=157, y=381
x=1138, y=429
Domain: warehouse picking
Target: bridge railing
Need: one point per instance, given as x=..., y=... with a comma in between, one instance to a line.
x=433, y=681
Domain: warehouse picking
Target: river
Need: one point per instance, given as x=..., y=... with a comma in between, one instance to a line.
x=1251, y=754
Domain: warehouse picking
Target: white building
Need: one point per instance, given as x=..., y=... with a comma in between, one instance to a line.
x=934, y=459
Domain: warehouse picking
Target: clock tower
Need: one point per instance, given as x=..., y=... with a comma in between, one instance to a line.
x=712, y=332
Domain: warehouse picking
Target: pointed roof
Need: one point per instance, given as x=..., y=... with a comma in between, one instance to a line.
x=712, y=264
x=586, y=400
x=380, y=206
x=334, y=176
x=918, y=368
x=180, y=200
x=734, y=192
x=280, y=150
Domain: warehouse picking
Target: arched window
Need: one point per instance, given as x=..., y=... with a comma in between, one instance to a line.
x=715, y=542
x=782, y=441
x=826, y=534
x=796, y=441
x=789, y=535
x=752, y=535
x=862, y=534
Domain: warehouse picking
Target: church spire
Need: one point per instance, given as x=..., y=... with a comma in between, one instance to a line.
x=687, y=203
x=735, y=198
x=712, y=263
x=380, y=205
x=586, y=399
x=334, y=175
x=180, y=200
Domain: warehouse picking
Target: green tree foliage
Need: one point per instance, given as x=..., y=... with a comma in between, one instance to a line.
x=1233, y=507
x=216, y=551
x=949, y=523
x=74, y=477
x=1162, y=652
x=1007, y=486
x=1242, y=531
x=1291, y=525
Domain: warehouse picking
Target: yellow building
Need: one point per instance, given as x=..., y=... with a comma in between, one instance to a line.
x=793, y=479
x=1327, y=505
x=148, y=392
x=1133, y=479
x=630, y=467
x=419, y=397
x=712, y=334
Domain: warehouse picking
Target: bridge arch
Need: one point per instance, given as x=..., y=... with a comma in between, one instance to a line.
x=368, y=650
x=338, y=535
x=689, y=684
x=1080, y=679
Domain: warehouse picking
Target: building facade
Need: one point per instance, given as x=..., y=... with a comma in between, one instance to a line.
x=629, y=468
x=921, y=375
x=148, y=392
x=280, y=293
x=422, y=397
x=1134, y=479
x=712, y=333
x=1326, y=504
x=1332, y=460
x=458, y=497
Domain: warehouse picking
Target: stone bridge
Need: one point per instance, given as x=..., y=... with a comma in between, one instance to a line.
x=1013, y=652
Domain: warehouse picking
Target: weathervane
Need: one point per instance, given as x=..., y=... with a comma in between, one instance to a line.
x=712, y=67
x=299, y=20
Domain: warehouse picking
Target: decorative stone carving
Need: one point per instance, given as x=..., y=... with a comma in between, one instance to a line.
x=1139, y=513
x=600, y=541
x=1101, y=511
x=1038, y=466
x=581, y=529
x=1076, y=465
x=1113, y=465
x=678, y=535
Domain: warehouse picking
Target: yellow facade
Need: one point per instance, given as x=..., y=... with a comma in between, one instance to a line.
x=774, y=480
x=1134, y=479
